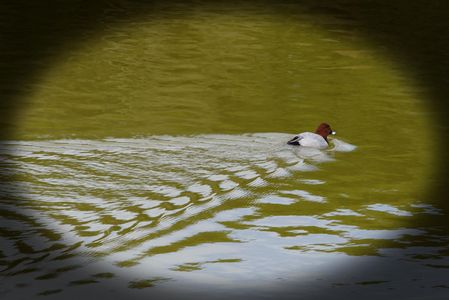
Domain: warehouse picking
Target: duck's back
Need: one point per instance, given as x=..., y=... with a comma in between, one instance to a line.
x=309, y=139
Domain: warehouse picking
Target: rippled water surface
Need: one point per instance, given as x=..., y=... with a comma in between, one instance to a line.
x=151, y=158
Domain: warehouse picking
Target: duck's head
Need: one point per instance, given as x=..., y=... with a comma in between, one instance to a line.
x=324, y=130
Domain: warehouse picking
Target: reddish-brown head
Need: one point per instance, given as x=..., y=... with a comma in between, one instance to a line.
x=324, y=130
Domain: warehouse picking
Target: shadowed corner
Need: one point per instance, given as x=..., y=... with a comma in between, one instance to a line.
x=413, y=33
x=33, y=36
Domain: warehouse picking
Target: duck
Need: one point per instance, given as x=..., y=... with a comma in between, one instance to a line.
x=316, y=140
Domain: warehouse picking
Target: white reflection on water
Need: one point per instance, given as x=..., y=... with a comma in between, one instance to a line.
x=234, y=211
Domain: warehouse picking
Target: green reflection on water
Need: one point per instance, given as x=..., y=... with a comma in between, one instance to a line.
x=228, y=74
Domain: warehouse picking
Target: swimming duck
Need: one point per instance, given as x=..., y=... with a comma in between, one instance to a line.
x=314, y=140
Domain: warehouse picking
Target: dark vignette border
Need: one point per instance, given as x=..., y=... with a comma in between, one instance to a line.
x=414, y=34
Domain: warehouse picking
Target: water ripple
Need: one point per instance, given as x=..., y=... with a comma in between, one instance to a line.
x=178, y=203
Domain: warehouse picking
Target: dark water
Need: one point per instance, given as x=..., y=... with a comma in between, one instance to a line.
x=150, y=160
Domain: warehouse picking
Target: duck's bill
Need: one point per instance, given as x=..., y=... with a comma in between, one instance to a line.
x=333, y=133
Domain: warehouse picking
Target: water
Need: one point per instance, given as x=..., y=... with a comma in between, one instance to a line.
x=151, y=158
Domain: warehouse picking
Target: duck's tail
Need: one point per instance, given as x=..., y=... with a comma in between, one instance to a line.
x=294, y=141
